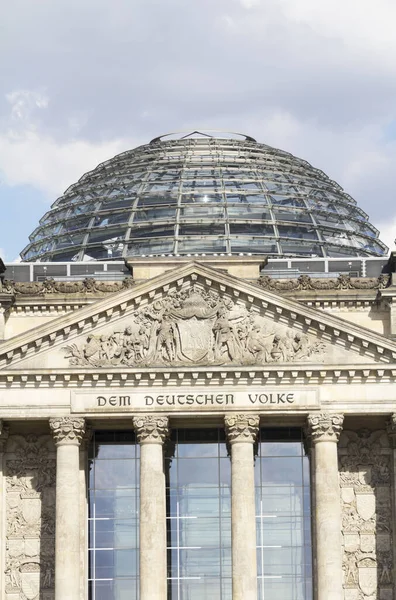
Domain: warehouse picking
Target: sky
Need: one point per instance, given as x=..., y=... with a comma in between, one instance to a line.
x=82, y=80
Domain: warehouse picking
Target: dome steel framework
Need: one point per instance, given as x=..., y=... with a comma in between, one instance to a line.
x=200, y=194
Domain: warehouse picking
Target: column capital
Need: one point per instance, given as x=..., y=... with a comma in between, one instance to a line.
x=3, y=435
x=242, y=427
x=324, y=427
x=150, y=429
x=67, y=430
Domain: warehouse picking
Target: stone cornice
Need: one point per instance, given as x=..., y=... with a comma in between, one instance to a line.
x=278, y=308
x=268, y=375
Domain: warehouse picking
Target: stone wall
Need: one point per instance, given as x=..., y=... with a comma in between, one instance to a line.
x=365, y=459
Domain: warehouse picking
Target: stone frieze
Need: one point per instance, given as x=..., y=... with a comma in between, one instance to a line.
x=307, y=283
x=195, y=326
x=90, y=285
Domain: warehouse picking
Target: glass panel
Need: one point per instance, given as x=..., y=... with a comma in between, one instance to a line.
x=199, y=197
x=201, y=246
x=155, y=214
x=283, y=519
x=252, y=229
x=201, y=210
x=156, y=199
x=249, y=211
x=199, y=524
x=150, y=247
x=297, y=232
x=152, y=231
x=298, y=216
x=253, y=245
x=113, y=204
x=202, y=228
x=110, y=219
x=113, y=516
x=106, y=235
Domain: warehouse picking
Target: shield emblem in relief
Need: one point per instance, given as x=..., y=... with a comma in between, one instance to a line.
x=368, y=580
x=365, y=504
x=195, y=337
x=30, y=580
x=31, y=510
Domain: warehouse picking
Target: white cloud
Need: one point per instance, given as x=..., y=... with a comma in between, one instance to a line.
x=24, y=102
x=35, y=159
x=316, y=78
x=388, y=232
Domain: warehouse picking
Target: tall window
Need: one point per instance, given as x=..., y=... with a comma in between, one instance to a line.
x=113, y=516
x=198, y=474
x=284, y=554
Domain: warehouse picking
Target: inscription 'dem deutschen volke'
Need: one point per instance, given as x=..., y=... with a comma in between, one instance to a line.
x=205, y=400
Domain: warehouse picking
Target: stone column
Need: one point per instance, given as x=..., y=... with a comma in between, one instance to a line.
x=391, y=429
x=67, y=432
x=151, y=432
x=85, y=441
x=3, y=442
x=241, y=431
x=324, y=430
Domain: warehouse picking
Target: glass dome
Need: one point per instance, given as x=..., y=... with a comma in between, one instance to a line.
x=203, y=194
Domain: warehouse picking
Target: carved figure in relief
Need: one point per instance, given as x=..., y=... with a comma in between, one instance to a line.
x=195, y=326
x=301, y=346
x=259, y=344
x=166, y=340
x=350, y=569
x=226, y=339
x=12, y=573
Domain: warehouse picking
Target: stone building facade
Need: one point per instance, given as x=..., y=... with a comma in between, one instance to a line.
x=96, y=371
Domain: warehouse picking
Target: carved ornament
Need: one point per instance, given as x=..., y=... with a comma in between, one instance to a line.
x=3, y=435
x=307, y=283
x=391, y=429
x=324, y=427
x=50, y=286
x=67, y=430
x=194, y=326
x=151, y=430
x=366, y=504
x=241, y=428
x=30, y=468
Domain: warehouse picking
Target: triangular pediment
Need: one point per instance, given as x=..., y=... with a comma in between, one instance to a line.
x=194, y=316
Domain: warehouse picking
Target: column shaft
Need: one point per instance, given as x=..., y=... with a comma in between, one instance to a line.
x=67, y=532
x=328, y=522
x=324, y=431
x=3, y=442
x=152, y=523
x=151, y=433
x=241, y=432
x=67, y=433
x=243, y=525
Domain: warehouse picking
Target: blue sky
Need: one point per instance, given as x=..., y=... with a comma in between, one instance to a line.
x=82, y=81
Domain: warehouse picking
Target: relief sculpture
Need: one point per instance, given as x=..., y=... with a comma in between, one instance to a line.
x=200, y=327
x=30, y=509
x=365, y=480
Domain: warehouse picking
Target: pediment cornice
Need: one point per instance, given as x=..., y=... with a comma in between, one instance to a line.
x=365, y=345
